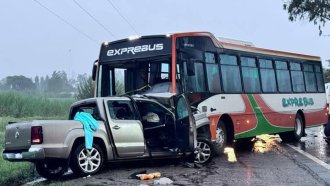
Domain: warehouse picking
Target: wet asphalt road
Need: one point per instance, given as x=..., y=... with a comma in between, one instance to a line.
x=265, y=161
x=315, y=144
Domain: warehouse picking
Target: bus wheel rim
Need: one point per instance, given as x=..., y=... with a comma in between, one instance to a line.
x=220, y=136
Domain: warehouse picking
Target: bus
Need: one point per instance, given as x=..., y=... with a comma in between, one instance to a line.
x=244, y=90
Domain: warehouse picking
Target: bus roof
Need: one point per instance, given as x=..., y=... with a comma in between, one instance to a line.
x=231, y=44
x=249, y=47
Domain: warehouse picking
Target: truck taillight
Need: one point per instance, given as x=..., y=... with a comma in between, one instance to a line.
x=36, y=135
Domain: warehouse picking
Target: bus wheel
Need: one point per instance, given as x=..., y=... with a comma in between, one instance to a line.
x=221, y=138
x=294, y=136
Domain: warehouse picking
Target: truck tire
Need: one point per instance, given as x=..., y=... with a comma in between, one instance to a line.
x=51, y=169
x=296, y=134
x=87, y=161
x=204, y=151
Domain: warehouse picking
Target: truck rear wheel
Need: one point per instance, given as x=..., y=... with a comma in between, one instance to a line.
x=51, y=169
x=87, y=161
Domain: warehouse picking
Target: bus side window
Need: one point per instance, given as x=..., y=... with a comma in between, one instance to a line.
x=319, y=78
x=310, y=80
x=230, y=74
x=283, y=76
x=267, y=75
x=250, y=75
x=297, y=77
x=212, y=70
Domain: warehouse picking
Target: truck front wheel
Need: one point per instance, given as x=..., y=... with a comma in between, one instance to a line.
x=87, y=161
x=51, y=169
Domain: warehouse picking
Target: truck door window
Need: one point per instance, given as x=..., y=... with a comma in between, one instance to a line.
x=182, y=109
x=121, y=110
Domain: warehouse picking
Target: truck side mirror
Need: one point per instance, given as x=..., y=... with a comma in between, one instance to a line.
x=94, y=69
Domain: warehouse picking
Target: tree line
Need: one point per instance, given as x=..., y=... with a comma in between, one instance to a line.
x=55, y=85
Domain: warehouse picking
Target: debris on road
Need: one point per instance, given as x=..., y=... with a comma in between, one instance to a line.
x=149, y=176
x=87, y=176
x=134, y=175
x=143, y=175
x=163, y=181
x=231, y=154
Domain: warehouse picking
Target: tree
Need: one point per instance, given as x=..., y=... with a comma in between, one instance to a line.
x=326, y=73
x=58, y=82
x=316, y=11
x=20, y=83
x=85, y=88
x=37, y=82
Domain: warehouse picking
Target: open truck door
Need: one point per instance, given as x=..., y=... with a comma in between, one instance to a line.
x=186, y=132
x=125, y=126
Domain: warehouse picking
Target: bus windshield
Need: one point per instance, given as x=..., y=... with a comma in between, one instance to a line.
x=134, y=66
x=135, y=76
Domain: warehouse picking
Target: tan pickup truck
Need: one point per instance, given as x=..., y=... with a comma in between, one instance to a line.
x=131, y=128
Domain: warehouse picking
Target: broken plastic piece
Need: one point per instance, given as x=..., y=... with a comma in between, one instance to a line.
x=163, y=181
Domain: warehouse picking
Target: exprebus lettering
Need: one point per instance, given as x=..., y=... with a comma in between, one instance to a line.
x=136, y=49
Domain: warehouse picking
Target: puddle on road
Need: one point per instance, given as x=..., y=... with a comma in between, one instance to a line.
x=315, y=144
x=264, y=143
x=260, y=144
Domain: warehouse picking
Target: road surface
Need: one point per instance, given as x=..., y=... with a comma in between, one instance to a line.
x=265, y=161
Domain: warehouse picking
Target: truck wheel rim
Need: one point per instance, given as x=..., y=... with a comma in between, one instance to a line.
x=89, y=160
x=202, y=152
x=220, y=136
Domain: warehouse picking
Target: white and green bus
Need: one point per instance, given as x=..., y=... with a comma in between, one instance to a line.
x=244, y=90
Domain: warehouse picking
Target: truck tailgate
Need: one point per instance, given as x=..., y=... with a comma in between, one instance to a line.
x=18, y=136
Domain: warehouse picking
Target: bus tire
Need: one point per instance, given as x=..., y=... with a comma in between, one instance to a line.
x=221, y=138
x=297, y=133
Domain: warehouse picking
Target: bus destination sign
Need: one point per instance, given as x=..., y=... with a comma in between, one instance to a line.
x=133, y=49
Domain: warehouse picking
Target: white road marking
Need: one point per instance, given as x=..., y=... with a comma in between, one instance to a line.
x=36, y=181
x=318, y=161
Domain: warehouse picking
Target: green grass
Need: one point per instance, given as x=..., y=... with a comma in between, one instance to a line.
x=19, y=107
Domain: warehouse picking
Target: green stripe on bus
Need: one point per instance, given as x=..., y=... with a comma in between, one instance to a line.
x=263, y=126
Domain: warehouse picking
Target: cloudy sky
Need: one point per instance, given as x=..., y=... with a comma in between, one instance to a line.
x=40, y=36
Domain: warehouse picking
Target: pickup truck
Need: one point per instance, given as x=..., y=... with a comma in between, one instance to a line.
x=130, y=128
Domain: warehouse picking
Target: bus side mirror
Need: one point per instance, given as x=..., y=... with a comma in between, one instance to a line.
x=94, y=70
x=190, y=68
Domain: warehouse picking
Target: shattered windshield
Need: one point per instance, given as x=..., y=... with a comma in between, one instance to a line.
x=135, y=77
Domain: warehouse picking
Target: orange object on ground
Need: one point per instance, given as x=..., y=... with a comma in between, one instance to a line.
x=149, y=176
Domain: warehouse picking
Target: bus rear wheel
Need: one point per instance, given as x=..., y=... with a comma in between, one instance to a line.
x=297, y=133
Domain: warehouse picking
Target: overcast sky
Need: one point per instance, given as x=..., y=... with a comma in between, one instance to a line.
x=35, y=42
